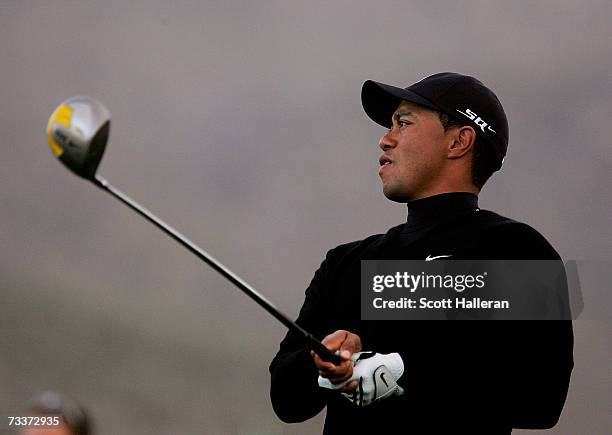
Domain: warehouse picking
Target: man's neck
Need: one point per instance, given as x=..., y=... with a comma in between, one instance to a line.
x=428, y=210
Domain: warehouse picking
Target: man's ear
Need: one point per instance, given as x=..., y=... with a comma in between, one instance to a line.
x=462, y=142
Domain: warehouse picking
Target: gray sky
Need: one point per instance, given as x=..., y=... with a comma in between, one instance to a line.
x=240, y=123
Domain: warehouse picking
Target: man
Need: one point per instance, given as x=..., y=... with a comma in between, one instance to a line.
x=61, y=414
x=447, y=134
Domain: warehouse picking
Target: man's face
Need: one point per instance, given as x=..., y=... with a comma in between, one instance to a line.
x=415, y=152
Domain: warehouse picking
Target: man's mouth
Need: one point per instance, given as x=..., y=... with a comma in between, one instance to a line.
x=384, y=161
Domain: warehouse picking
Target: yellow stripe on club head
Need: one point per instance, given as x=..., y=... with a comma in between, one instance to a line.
x=62, y=116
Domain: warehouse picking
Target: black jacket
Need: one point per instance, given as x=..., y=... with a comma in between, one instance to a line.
x=472, y=377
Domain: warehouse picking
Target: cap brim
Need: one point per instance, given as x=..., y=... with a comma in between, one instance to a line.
x=380, y=101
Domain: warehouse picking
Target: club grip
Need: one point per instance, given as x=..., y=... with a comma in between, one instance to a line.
x=324, y=353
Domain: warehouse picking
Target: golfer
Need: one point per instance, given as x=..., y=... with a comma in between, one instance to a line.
x=447, y=134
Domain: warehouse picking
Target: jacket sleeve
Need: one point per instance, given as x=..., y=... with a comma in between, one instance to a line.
x=539, y=373
x=294, y=390
x=539, y=352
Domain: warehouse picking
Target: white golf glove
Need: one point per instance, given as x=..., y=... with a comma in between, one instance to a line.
x=377, y=375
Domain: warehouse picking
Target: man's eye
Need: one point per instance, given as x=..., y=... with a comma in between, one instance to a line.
x=400, y=123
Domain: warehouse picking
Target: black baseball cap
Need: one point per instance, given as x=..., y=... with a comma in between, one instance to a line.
x=463, y=98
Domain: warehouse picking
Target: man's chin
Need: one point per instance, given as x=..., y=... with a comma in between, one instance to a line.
x=395, y=196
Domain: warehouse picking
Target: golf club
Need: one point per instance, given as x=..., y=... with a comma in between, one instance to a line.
x=77, y=133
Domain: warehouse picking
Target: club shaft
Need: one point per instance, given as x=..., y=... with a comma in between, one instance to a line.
x=314, y=344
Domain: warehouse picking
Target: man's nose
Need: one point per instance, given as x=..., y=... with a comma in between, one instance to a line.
x=388, y=141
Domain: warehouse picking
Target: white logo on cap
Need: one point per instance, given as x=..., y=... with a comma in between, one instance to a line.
x=477, y=120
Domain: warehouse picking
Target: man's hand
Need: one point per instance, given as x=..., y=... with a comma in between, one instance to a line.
x=376, y=376
x=345, y=343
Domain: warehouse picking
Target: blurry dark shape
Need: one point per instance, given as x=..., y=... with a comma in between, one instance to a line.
x=74, y=416
x=575, y=289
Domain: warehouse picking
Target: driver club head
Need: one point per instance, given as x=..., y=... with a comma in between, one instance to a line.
x=77, y=133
